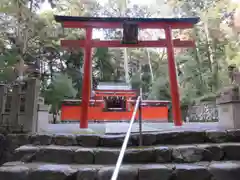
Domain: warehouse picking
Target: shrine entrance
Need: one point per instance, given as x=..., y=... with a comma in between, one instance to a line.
x=130, y=39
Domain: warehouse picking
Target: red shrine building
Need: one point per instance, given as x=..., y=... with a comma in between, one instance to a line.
x=114, y=102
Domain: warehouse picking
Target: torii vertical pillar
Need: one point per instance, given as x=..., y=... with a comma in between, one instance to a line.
x=176, y=108
x=86, y=88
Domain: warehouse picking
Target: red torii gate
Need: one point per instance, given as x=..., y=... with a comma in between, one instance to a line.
x=88, y=23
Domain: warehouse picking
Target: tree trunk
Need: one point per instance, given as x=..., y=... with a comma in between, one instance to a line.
x=209, y=52
x=209, y=49
x=215, y=69
x=150, y=65
x=123, y=5
x=199, y=66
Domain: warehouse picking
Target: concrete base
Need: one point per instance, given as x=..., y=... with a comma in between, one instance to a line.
x=42, y=118
x=229, y=114
x=84, y=131
x=74, y=129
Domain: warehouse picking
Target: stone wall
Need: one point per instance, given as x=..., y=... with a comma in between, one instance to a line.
x=8, y=143
x=203, y=112
x=19, y=105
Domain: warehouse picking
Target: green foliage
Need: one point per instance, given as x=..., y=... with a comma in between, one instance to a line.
x=160, y=89
x=204, y=70
x=60, y=88
x=102, y=60
x=7, y=62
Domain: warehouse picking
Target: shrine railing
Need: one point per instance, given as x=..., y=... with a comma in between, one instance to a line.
x=126, y=139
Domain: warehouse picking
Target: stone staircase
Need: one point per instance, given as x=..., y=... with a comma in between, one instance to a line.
x=171, y=155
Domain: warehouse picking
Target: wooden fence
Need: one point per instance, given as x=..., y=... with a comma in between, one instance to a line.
x=18, y=105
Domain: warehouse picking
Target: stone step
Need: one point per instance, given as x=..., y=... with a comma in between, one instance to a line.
x=227, y=170
x=92, y=140
x=155, y=154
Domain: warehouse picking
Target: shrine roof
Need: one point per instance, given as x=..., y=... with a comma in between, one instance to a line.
x=191, y=20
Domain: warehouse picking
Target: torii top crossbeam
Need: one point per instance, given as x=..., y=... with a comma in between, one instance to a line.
x=143, y=23
x=130, y=39
x=116, y=22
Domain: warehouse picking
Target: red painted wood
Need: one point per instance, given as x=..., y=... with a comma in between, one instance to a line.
x=72, y=113
x=177, y=117
x=144, y=25
x=115, y=43
x=86, y=79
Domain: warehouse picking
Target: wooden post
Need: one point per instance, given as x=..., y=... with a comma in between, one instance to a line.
x=31, y=106
x=177, y=117
x=86, y=79
x=3, y=91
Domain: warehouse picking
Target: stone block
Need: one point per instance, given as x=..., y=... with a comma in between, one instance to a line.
x=163, y=154
x=233, y=135
x=84, y=156
x=187, y=154
x=231, y=151
x=14, y=173
x=87, y=174
x=88, y=140
x=225, y=170
x=41, y=139
x=147, y=139
x=180, y=137
x=65, y=140
x=112, y=140
x=140, y=155
x=3, y=148
x=212, y=152
x=229, y=113
x=52, y=172
x=55, y=154
x=191, y=171
x=25, y=153
x=125, y=173
x=106, y=156
x=16, y=140
x=217, y=136
x=154, y=172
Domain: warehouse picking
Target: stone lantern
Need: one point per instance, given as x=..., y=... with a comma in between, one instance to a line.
x=229, y=101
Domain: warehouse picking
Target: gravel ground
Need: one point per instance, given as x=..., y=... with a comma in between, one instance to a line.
x=121, y=127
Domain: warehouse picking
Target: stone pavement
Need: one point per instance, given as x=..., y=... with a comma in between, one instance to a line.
x=122, y=127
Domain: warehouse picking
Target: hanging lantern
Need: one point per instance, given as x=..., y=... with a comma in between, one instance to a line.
x=130, y=33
